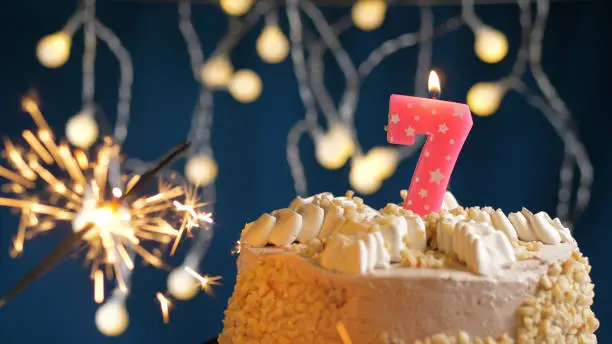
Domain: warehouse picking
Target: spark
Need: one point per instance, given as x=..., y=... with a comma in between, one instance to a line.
x=191, y=218
x=236, y=249
x=51, y=184
x=165, y=305
x=99, y=286
x=206, y=282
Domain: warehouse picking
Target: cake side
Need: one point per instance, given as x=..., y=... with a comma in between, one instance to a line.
x=282, y=295
x=459, y=276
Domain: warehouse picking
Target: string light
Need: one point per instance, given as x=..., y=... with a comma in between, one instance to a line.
x=236, y=7
x=484, y=98
x=182, y=285
x=272, y=45
x=491, y=45
x=54, y=50
x=385, y=160
x=245, y=86
x=201, y=170
x=112, y=318
x=334, y=148
x=82, y=129
x=369, y=14
x=364, y=176
x=217, y=71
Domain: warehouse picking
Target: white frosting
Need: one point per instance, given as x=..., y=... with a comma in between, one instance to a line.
x=521, y=225
x=483, y=249
x=539, y=227
x=287, y=227
x=393, y=228
x=359, y=239
x=382, y=255
x=501, y=222
x=354, y=254
x=543, y=229
x=333, y=219
x=257, y=233
x=353, y=227
x=345, y=255
x=416, y=235
x=312, y=221
x=444, y=232
x=449, y=202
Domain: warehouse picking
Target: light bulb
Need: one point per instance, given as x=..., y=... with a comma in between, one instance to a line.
x=369, y=14
x=236, y=7
x=364, y=176
x=82, y=129
x=385, y=160
x=54, y=50
x=201, y=170
x=328, y=154
x=335, y=147
x=484, y=98
x=491, y=45
x=272, y=45
x=217, y=71
x=245, y=86
x=182, y=285
x=112, y=318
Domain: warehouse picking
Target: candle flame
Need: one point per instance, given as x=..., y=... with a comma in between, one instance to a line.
x=433, y=84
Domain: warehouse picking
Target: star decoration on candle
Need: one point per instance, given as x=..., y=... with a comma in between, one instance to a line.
x=436, y=176
x=416, y=118
x=448, y=157
x=451, y=141
x=410, y=131
x=423, y=193
x=426, y=154
x=395, y=118
x=442, y=128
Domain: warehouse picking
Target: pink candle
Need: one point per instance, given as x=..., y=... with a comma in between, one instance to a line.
x=446, y=125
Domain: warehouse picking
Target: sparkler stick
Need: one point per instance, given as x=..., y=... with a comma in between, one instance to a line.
x=47, y=264
x=152, y=173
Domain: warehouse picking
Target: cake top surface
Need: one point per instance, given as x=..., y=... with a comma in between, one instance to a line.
x=346, y=236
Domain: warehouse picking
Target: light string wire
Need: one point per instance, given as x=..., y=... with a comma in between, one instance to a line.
x=126, y=71
x=199, y=132
x=89, y=54
x=575, y=152
x=552, y=106
x=201, y=123
x=348, y=104
x=309, y=123
x=240, y=27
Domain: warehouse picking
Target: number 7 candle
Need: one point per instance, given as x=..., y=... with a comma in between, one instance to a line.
x=446, y=125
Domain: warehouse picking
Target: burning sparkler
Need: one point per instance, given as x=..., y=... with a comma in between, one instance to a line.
x=108, y=221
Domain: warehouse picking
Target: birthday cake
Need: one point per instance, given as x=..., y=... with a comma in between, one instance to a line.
x=334, y=270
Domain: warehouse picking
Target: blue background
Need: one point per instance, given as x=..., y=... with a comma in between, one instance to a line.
x=510, y=159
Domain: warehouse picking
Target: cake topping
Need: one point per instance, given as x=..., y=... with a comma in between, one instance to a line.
x=354, y=254
x=353, y=238
x=288, y=226
x=257, y=234
x=312, y=220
